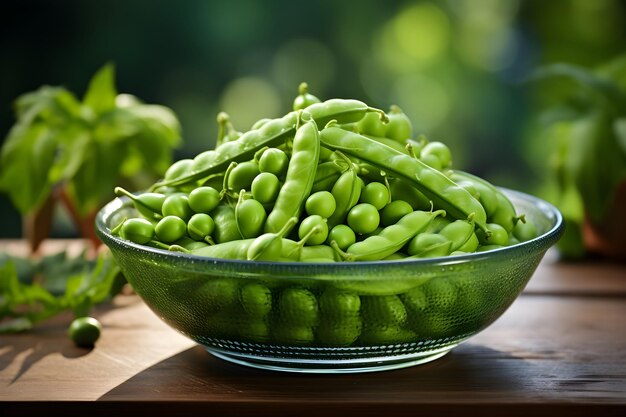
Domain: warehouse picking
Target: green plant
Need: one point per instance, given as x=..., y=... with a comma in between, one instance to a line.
x=84, y=148
x=586, y=125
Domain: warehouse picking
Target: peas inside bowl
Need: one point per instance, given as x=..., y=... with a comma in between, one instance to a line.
x=331, y=317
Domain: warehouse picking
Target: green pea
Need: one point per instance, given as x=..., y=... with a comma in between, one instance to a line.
x=425, y=242
x=525, y=230
x=496, y=235
x=371, y=124
x=260, y=123
x=308, y=225
x=293, y=334
x=298, y=306
x=242, y=175
x=177, y=205
x=178, y=169
x=459, y=232
x=512, y=241
x=441, y=294
x=274, y=161
x=440, y=151
x=204, y=199
x=256, y=300
x=376, y=194
x=250, y=215
x=255, y=330
x=170, y=228
x=321, y=203
x=304, y=98
x=470, y=245
x=343, y=235
x=339, y=333
x=200, y=226
x=339, y=304
x=219, y=293
x=226, y=229
x=384, y=309
x=400, y=127
x=148, y=205
x=85, y=331
x=265, y=187
x=363, y=218
x=394, y=211
x=137, y=230
x=432, y=161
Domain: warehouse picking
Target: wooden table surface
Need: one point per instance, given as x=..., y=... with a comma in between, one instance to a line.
x=560, y=349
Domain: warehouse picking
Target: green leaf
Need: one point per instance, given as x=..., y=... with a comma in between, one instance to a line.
x=70, y=153
x=25, y=163
x=97, y=175
x=58, y=268
x=9, y=283
x=101, y=93
x=54, y=106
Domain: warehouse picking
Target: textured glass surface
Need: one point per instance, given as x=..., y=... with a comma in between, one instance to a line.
x=331, y=317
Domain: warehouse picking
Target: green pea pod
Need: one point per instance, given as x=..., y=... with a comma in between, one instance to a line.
x=346, y=192
x=444, y=192
x=225, y=224
x=498, y=207
x=148, y=204
x=299, y=178
x=392, y=238
x=461, y=234
x=326, y=175
x=271, y=134
x=235, y=249
x=269, y=246
x=341, y=110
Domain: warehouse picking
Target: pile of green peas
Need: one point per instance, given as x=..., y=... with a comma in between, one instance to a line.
x=330, y=181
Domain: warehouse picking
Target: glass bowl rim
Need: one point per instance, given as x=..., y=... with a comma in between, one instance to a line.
x=541, y=242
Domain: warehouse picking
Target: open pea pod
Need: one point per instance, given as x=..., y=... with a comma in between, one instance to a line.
x=441, y=190
x=271, y=134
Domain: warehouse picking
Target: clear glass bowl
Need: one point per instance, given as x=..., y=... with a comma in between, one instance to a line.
x=331, y=317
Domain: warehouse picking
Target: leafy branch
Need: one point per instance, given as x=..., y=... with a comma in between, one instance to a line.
x=30, y=291
x=85, y=146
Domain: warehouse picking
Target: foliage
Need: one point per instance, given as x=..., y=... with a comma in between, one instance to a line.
x=33, y=291
x=87, y=146
x=588, y=126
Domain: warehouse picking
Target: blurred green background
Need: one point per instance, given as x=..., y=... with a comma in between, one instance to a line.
x=457, y=67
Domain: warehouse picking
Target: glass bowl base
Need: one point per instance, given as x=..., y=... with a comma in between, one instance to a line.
x=329, y=366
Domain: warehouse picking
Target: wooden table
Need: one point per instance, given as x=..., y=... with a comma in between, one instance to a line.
x=559, y=350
